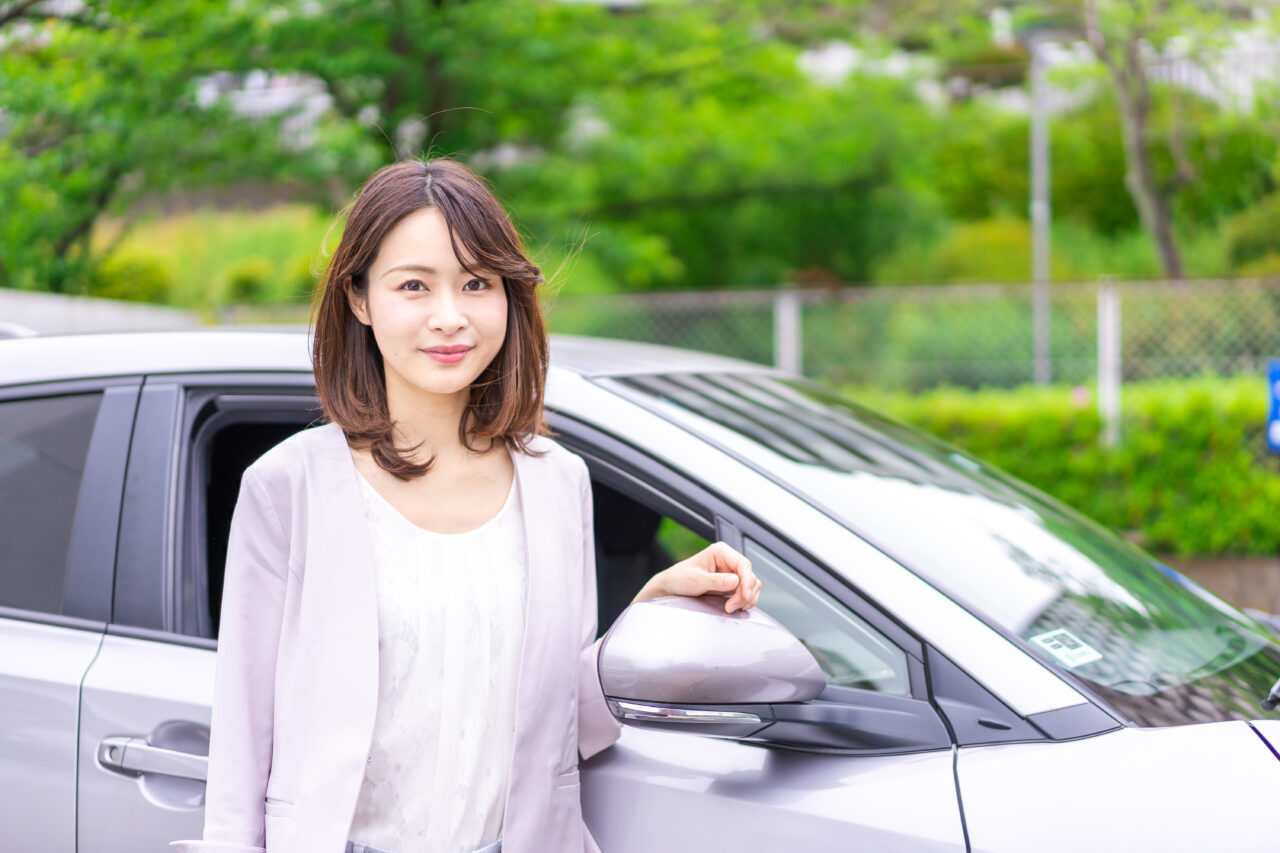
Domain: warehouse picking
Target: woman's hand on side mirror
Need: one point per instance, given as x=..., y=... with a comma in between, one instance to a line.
x=715, y=569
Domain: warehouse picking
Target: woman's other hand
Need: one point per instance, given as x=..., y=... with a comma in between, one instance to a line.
x=715, y=569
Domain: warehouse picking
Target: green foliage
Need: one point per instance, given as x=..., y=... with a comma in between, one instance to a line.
x=99, y=110
x=135, y=276
x=248, y=280
x=981, y=165
x=271, y=252
x=302, y=277
x=668, y=145
x=1253, y=233
x=746, y=170
x=1232, y=155
x=1266, y=266
x=451, y=77
x=1000, y=250
x=985, y=63
x=1126, y=255
x=1190, y=476
x=680, y=542
x=990, y=250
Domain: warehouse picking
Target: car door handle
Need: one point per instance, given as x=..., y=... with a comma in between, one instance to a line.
x=134, y=755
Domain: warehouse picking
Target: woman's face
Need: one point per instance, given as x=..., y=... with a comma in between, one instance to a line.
x=437, y=325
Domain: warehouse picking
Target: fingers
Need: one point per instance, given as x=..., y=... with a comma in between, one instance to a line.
x=746, y=585
x=716, y=569
x=745, y=597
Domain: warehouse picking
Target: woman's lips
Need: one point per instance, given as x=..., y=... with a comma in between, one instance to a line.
x=448, y=355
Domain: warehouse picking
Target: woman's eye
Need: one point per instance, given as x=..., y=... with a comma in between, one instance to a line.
x=479, y=284
x=414, y=285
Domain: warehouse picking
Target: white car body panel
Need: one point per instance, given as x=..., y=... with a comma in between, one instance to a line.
x=1269, y=730
x=160, y=691
x=1160, y=789
x=40, y=671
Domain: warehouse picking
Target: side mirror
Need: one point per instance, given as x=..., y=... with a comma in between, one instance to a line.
x=680, y=663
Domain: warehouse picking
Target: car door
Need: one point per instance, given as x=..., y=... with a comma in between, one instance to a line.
x=62, y=450
x=146, y=699
x=893, y=789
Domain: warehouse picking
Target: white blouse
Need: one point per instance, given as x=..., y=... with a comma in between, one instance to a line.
x=450, y=625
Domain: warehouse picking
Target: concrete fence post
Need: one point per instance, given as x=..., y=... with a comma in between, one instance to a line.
x=1109, y=362
x=787, y=333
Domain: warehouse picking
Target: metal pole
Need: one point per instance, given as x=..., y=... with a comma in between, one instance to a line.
x=787, y=335
x=1040, y=215
x=1109, y=364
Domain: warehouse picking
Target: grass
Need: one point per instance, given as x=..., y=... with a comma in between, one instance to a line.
x=207, y=250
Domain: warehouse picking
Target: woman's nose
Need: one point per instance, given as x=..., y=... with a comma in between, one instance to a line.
x=446, y=315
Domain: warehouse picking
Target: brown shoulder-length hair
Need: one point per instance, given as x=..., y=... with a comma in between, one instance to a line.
x=506, y=398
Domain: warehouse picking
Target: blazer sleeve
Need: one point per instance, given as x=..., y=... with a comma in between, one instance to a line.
x=240, y=733
x=596, y=726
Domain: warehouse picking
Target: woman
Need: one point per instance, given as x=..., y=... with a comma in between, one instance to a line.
x=406, y=656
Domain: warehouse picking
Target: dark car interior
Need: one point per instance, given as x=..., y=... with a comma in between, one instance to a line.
x=231, y=450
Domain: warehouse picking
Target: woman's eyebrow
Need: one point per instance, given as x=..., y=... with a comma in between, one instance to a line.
x=419, y=268
x=410, y=268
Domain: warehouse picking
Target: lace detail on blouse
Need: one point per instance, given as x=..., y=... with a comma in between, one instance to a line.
x=450, y=625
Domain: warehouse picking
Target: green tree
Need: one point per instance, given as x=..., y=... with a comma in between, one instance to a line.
x=452, y=76
x=98, y=109
x=1123, y=35
x=1170, y=162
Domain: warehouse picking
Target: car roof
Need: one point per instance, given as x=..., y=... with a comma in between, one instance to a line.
x=87, y=356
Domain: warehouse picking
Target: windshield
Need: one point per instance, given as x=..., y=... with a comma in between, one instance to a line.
x=1156, y=646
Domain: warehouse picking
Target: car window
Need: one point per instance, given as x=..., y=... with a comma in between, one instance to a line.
x=633, y=542
x=850, y=651
x=43, y=446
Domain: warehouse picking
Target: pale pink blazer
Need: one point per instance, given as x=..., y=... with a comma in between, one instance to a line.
x=297, y=673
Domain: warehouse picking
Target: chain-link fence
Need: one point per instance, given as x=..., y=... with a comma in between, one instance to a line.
x=966, y=335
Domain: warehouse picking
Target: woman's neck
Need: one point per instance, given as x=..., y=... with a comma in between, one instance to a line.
x=428, y=421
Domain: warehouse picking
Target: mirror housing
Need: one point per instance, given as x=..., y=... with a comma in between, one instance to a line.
x=683, y=663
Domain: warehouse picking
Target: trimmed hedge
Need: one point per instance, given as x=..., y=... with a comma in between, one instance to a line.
x=1190, y=476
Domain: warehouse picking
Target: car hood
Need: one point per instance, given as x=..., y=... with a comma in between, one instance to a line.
x=1190, y=788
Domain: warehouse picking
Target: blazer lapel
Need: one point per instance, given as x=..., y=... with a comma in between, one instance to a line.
x=341, y=642
x=543, y=650
x=544, y=552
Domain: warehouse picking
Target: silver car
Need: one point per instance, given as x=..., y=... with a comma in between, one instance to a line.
x=942, y=659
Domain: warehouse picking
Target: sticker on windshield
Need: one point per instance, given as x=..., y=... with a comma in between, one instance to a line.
x=1067, y=647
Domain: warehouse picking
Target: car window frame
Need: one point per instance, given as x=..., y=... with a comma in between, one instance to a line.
x=274, y=404
x=90, y=567
x=147, y=600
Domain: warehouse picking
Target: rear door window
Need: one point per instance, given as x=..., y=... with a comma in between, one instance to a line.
x=44, y=444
